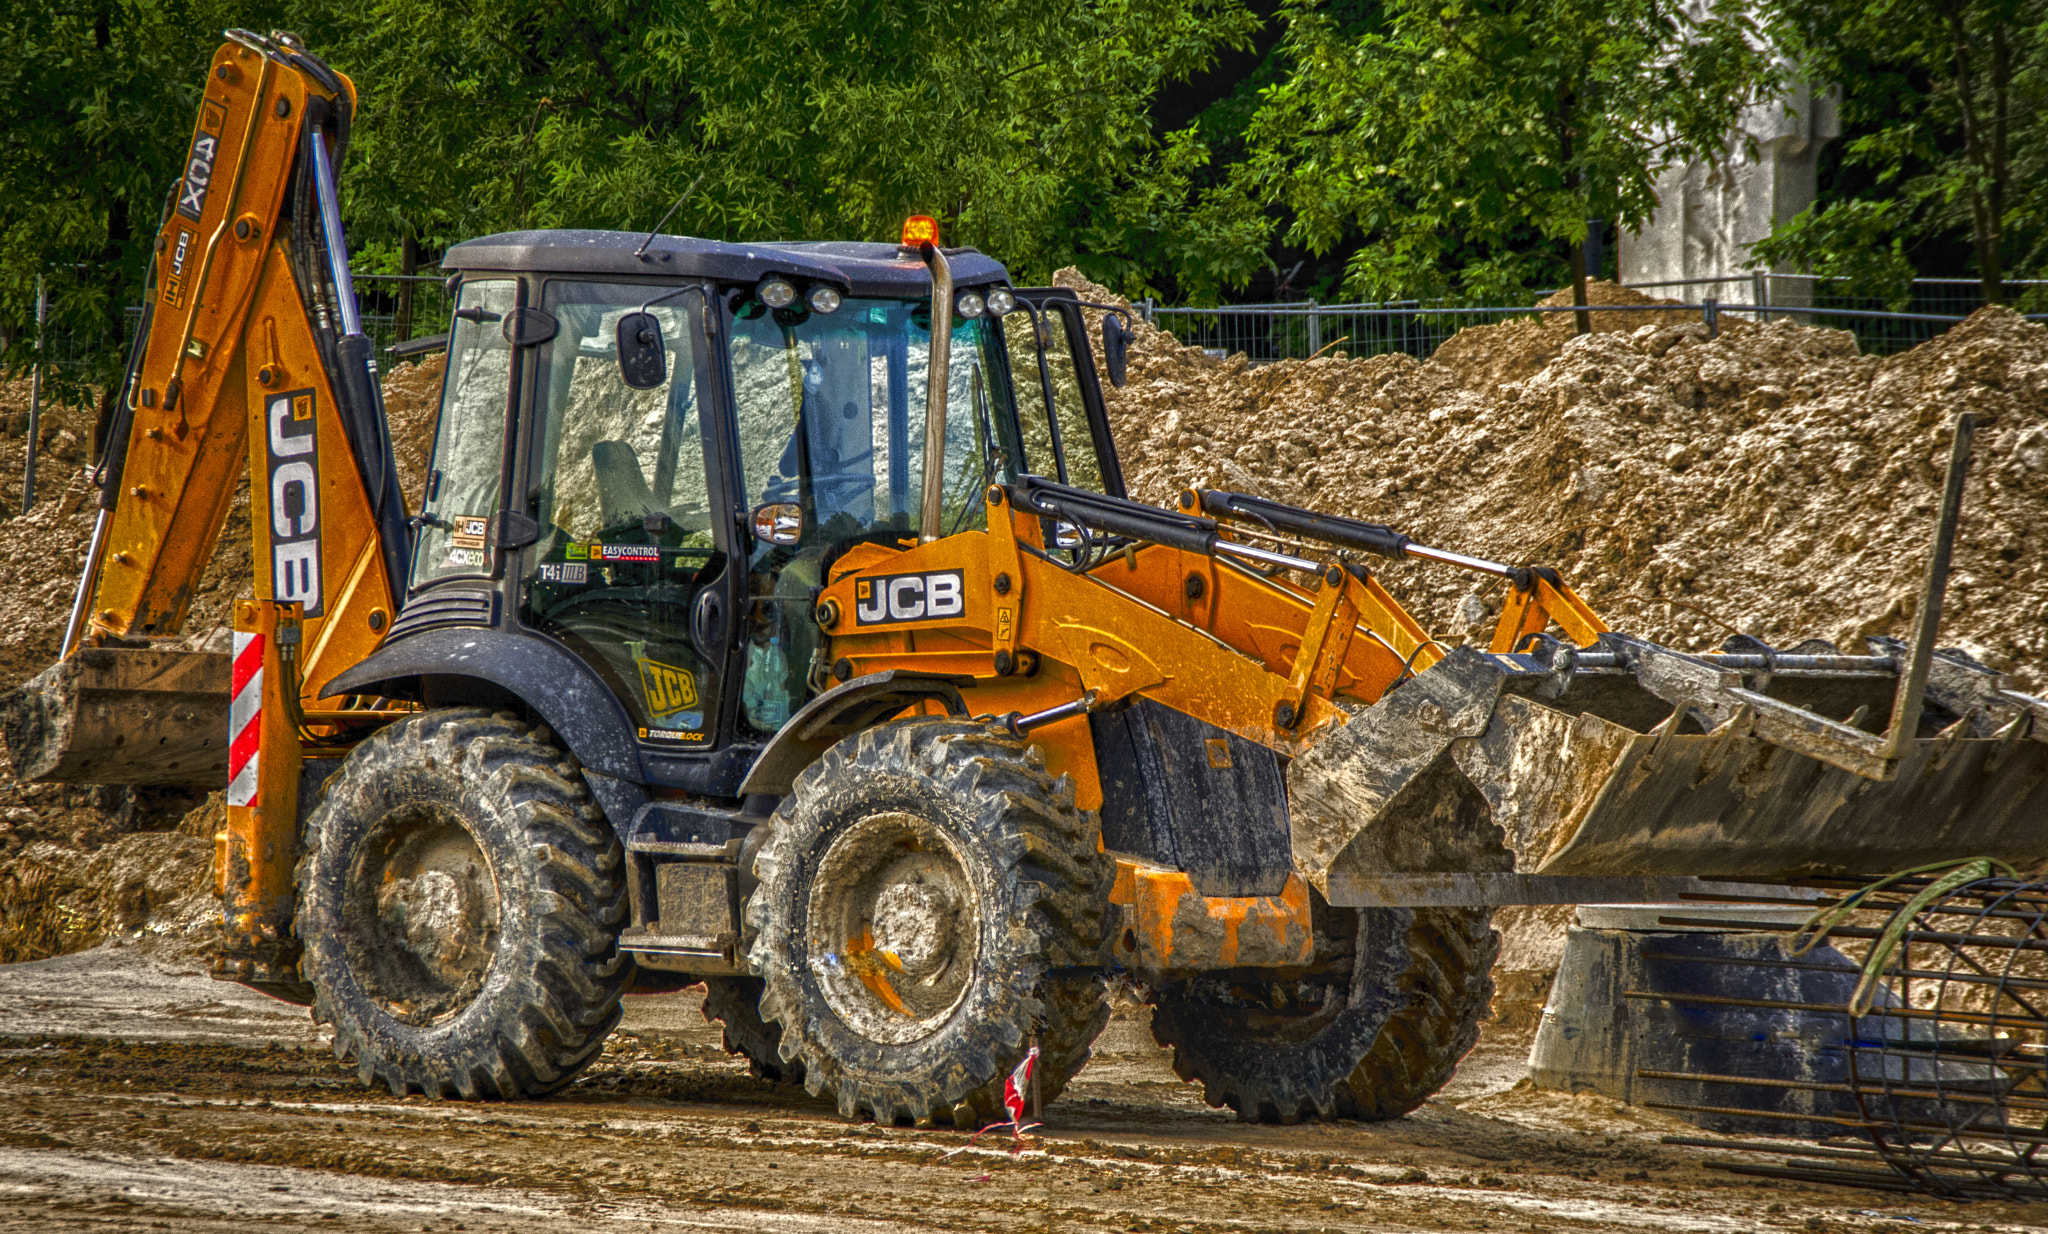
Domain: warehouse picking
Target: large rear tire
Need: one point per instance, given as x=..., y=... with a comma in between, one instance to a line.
x=460, y=896
x=1371, y=1047
x=930, y=902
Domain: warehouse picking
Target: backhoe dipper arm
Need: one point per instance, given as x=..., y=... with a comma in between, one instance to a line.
x=252, y=351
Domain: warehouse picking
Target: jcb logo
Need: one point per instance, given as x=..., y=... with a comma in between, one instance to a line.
x=908, y=597
x=669, y=689
x=294, y=450
x=199, y=164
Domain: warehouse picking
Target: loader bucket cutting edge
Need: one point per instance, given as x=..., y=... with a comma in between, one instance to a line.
x=122, y=716
x=1663, y=768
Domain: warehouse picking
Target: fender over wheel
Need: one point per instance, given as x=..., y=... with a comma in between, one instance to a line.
x=930, y=902
x=460, y=897
x=1371, y=1040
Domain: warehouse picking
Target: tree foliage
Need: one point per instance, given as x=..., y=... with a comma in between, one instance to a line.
x=96, y=103
x=1467, y=142
x=1022, y=124
x=1948, y=104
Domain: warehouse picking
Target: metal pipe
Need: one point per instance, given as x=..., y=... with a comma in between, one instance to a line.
x=1851, y=970
x=937, y=384
x=35, y=400
x=330, y=225
x=1020, y=724
x=1890, y=1089
x=1251, y=552
x=1787, y=665
x=1979, y=1019
x=74, y=629
x=1906, y=706
x=1446, y=557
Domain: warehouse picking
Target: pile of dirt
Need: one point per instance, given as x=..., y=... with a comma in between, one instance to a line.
x=1770, y=481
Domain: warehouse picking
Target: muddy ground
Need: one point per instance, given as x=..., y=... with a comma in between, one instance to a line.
x=136, y=1094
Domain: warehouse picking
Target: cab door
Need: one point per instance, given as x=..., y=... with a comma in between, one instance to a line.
x=1058, y=395
x=631, y=568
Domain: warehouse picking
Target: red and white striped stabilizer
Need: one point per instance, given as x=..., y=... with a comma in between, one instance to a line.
x=245, y=719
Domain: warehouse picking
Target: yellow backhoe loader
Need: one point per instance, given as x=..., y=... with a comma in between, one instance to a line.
x=773, y=617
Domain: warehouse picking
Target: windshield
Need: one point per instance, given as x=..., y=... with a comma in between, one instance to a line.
x=831, y=412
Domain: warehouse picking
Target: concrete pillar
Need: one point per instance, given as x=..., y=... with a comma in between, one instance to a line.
x=1708, y=216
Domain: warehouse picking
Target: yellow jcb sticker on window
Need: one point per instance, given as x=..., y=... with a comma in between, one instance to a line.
x=669, y=689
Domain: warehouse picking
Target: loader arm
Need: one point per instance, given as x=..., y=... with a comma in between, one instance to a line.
x=1422, y=774
x=252, y=356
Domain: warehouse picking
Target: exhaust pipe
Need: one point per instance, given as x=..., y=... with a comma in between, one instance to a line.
x=937, y=371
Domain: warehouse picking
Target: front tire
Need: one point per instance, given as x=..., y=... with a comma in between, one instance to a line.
x=1371, y=1041
x=460, y=896
x=930, y=901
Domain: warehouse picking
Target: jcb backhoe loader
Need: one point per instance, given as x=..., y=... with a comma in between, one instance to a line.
x=773, y=617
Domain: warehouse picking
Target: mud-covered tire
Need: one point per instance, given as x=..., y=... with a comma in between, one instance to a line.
x=1375, y=1047
x=460, y=897
x=734, y=1004
x=930, y=901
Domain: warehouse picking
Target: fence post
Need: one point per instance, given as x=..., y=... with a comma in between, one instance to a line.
x=1315, y=329
x=1760, y=294
x=1712, y=312
x=35, y=400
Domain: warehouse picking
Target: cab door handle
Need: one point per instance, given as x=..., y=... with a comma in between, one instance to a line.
x=707, y=624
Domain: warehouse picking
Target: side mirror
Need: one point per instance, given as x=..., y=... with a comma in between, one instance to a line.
x=780, y=522
x=1116, y=346
x=642, y=362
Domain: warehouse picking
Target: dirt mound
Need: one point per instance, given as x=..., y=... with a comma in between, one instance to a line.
x=81, y=865
x=1771, y=481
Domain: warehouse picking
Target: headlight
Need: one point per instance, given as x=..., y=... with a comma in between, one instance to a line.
x=1001, y=301
x=824, y=299
x=776, y=292
x=968, y=304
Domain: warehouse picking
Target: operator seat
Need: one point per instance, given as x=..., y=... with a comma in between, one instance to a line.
x=622, y=492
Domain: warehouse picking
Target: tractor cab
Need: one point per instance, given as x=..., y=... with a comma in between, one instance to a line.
x=650, y=453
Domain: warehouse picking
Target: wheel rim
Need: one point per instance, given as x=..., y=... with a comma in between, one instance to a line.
x=422, y=916
x=894, y=923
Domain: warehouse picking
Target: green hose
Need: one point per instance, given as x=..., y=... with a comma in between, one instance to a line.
x=1815, y=931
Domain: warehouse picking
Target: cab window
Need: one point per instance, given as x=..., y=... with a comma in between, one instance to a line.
x=620, y=491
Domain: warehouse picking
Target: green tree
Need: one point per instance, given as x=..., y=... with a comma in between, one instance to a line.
x=96, y=104
x=1022, y=124
x=1465, y=143
x=1948, y=104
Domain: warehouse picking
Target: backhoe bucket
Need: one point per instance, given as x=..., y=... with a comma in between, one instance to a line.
x=1627, y=759
x=115, y=715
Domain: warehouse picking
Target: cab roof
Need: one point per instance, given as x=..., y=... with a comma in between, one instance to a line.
x=857, y=268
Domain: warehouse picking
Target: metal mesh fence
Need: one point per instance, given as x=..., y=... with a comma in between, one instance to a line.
x=1268, y=332
x=388, y=316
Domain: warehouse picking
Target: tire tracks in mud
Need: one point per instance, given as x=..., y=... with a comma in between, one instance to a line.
x=664, y=1133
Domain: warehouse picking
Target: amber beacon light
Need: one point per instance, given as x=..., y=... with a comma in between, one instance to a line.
x=920, y=229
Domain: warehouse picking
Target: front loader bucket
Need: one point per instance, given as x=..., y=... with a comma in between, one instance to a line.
x=122, y=716
x=1628, y=759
